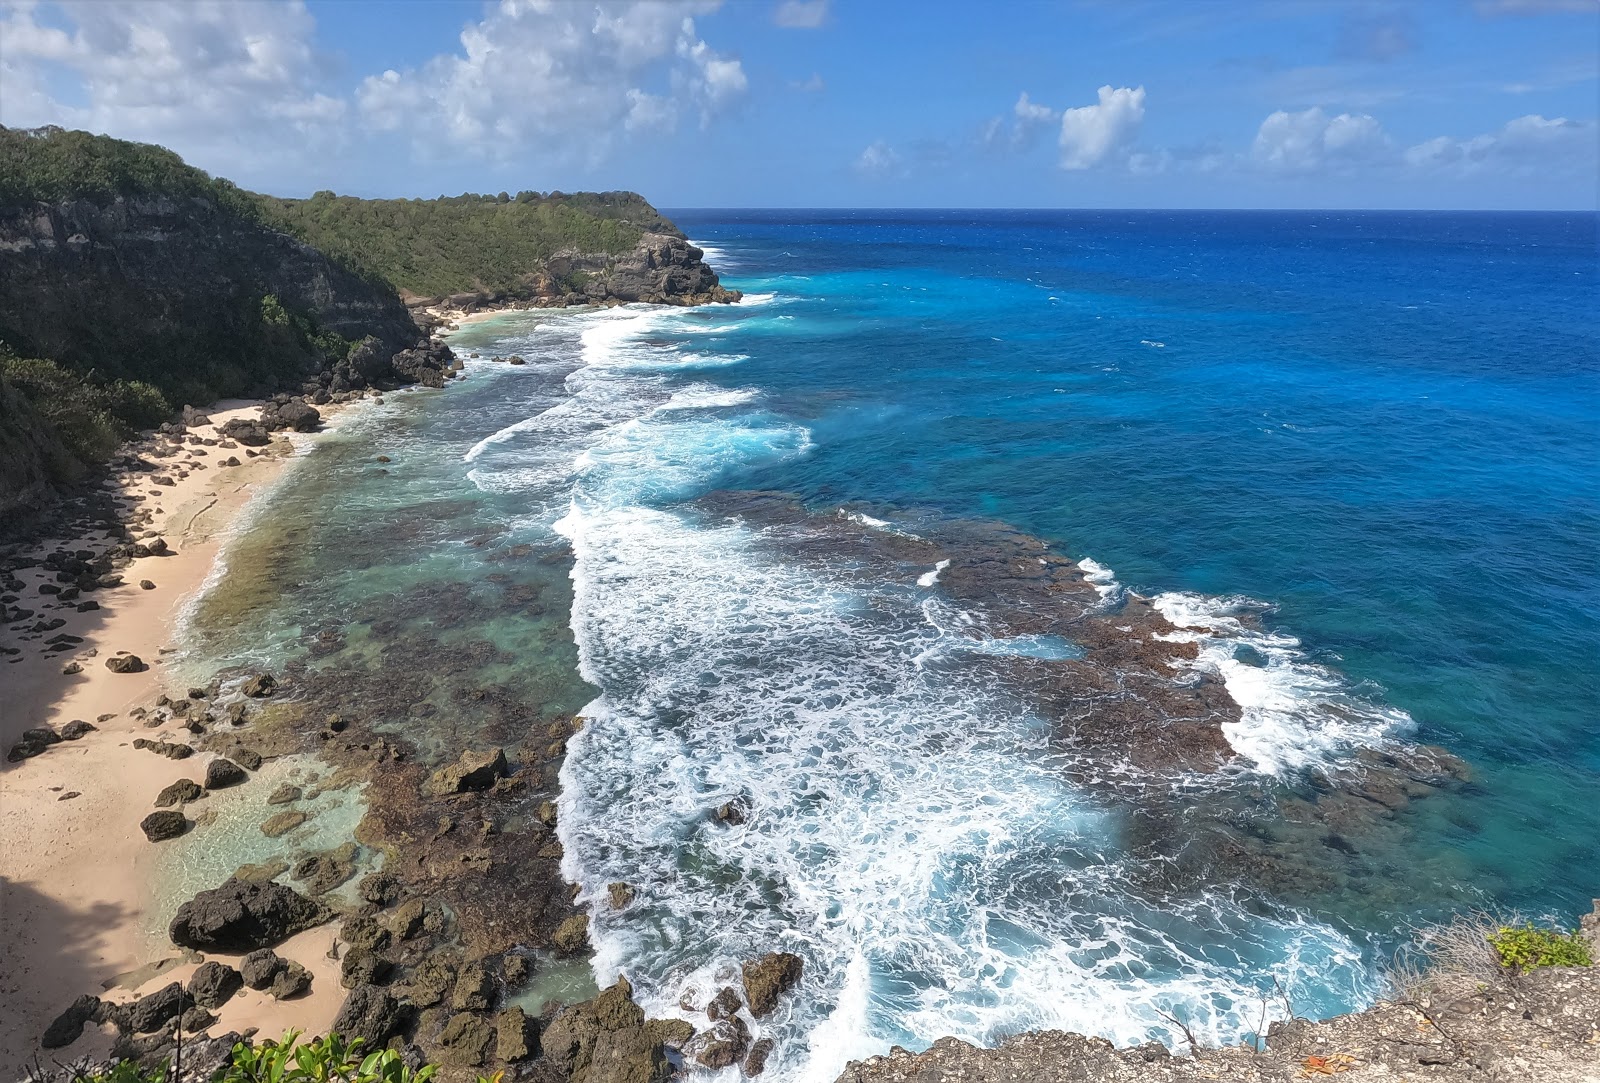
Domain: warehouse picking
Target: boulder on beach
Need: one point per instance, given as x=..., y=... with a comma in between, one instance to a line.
x=214, y=983
x=163, y=825
x=245, y=431
x=180, y=792
x=257, y=968
x=32, y=743
x=150, y=1013
x=473, y=771
x=125, y=663
x=76, y=729
x=291, y=980
x=68, y=1026
x=222, y=773
x=240, y=917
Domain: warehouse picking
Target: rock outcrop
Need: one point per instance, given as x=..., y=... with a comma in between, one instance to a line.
x=241, y=917
x=1539, y=1026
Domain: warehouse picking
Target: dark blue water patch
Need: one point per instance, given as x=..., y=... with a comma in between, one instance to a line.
x=1382, y=423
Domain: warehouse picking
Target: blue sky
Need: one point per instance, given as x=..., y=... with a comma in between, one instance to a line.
x=1203, y=103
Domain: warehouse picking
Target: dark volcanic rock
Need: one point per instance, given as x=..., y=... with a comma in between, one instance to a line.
x=289, y=981
x=221, y=773
x=516, y=1036
x=608, y=1040
x=68, y=1026
x=214, y=983
x=160, y=826
x=33, y=742
x=149, y=1013
x=768, y=978
x=76, y=729
x=572, y=935
x=260, y=685
x=370, y=1013
x=125, y=663
x=258, y=967
x=725, y=1004
x=724, y=1044
x=362, y=967
x=466, y=1040
x=180, y=792
x=245, y=431
x=239, y=917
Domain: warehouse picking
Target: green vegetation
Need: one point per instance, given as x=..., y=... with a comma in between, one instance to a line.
x=52, y=164
x=1524, y=947
x=436, y=247
x=88, y=416
x=319, y=1060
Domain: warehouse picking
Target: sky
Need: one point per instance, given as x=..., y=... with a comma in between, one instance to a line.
x=1450, y=104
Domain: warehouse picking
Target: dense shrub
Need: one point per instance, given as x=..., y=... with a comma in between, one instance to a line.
x=89, y=416
x=318, y=1060
x=1526, y=947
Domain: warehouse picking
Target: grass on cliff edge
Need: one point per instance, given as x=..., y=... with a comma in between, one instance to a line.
x=1476, y=950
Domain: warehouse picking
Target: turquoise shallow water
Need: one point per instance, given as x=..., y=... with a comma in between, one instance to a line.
x=1353, y=454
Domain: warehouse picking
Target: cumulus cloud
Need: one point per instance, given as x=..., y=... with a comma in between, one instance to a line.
x=879, y=160
x=1028, y=118
x=230, y=82
x=565, y=76
x=1312, y=140
x=1528, y=144
x=801, y=14
x=1093, y=135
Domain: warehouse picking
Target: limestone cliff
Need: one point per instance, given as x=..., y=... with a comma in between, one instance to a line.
x=170, y=290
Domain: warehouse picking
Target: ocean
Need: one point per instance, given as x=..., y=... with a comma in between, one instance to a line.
x=1108, y=621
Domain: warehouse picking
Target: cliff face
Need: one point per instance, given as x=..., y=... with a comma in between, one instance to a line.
x=170, y=290
x=663, y=268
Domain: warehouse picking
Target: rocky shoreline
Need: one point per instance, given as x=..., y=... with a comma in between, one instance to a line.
x=404, y=931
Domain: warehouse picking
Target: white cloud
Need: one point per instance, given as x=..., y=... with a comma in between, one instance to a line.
x=813, y=85
x=1311, y=140
x=1031, y=112
x=228, y=83
x=879, y=160
x=561, y=77
x=801, y=14
x=1528, y=144
x=1092, y=135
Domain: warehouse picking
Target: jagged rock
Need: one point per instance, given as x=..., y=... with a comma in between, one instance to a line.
x=364, y=931
x=284, y=794
x=262, y=684
x=408, y=919
x=163, y=748
x=514, y=970
x=473, y=771
x=179, y=793
x=547, y=813
x=369, y=1013
x=377, y=888
x=474, y=991
x=294, y=414
x=126, y=663
x=257, y=968
x=756, y=1062
x=466, y=1040
x=362, y=967
x=76, y=730
x=572, y=935
x=248, y=758
x=245, y=431
x=731, y=813
x=221, y=773
x=516, y=1036
x=149, y=1013
x=291, y=980
x=160, y=826
x=322, y=872
x=606, y=1040
x=196, y=1019
x=238, y=917
x=622, y=895
x=724, y=1044
x=766, y=979
x=214, y=983
x=431, y=981
x=33, y=742
x=68, y=1026
x=724, y=1005
x=282, y=823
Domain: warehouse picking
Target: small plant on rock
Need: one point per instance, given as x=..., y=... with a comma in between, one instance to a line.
x=1526, y=947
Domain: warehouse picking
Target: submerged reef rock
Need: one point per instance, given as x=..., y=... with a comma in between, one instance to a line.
x=241, y=917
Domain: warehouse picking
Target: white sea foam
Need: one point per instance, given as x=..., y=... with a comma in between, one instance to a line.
x=928, y=579
x=1102, y=578
x=1293, y=713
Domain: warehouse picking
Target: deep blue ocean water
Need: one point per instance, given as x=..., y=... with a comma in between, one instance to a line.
x=1355, y=454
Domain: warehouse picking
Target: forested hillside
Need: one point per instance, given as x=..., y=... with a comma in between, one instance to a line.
x=436, y=247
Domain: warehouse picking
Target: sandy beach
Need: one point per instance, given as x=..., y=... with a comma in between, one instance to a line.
x=75, y=868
